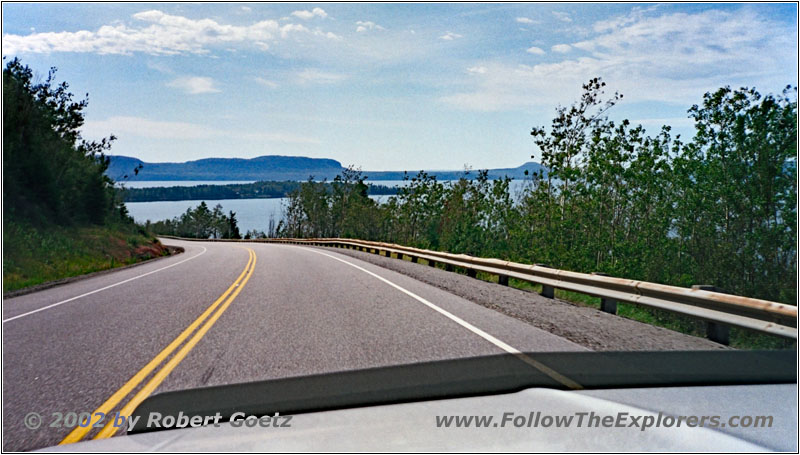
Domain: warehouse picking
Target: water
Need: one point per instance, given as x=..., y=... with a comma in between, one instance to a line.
x=250, y=213
x=154, y=183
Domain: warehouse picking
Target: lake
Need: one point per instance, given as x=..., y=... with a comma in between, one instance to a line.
x=250, y=213
x=153, y=183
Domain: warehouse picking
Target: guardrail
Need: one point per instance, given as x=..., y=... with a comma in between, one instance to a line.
x=718, y=309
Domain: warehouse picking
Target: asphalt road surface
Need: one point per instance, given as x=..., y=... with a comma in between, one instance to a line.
x=224, y=313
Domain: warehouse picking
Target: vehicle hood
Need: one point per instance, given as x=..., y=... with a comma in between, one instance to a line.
x=413, y=426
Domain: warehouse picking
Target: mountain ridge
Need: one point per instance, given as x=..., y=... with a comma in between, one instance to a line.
x=273, y=167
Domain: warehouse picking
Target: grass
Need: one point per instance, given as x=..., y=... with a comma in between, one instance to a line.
x=34, y=255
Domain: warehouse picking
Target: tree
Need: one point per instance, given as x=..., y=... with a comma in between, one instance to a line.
x=232, y=228
x=738, y=201
x=51, y=174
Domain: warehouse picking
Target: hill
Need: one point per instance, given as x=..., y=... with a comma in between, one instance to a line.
x=61, y=216
x=272, y=168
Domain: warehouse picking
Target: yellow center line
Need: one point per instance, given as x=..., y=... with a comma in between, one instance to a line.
x=80, y=431
x=162, y=374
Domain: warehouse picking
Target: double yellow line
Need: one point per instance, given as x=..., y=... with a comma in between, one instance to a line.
x=111, y=403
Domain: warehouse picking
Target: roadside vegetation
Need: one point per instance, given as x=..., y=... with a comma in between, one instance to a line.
x=61, y=215
x=199, y=223
x=719, y=209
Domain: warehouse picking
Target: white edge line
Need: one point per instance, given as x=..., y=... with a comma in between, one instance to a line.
x=500, y=344
x=104, y=288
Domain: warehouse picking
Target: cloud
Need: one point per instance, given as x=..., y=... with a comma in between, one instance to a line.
x=155, y=32
x=364, y=26
x=194, y=85
x=563, y=17
x=477, y=70
x=561, y=48
x=266, y=82
x=306, y=15
x=673, y=58
x=525, y=20
x=289, y=28
x=535, y=50
x=450, y=36
x=246, y=9
x=330, y=35
x=314, y=76
x=124, y=126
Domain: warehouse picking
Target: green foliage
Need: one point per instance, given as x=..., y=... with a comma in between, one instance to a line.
x=34, y=255
x=50, y=174
x=719, y=210
x=201, y=223
x=340, y=208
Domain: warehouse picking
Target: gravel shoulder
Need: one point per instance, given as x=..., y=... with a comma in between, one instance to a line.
x=586, y=326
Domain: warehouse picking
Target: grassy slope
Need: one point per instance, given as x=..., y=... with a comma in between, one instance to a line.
x=37, y=255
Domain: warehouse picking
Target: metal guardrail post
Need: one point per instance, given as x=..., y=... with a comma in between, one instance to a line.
x=502, y=280
x=547, y=291
x=472, y=273
x=414, y=259
x=716, y=332
x=606, y=305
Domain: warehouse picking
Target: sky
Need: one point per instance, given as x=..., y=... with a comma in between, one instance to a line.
x=388, y=86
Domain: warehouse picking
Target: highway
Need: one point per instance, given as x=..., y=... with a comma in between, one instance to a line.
x=223, y=313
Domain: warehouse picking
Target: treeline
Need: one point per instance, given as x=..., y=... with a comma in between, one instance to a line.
x=256, y=190
x=200, y=222
x=720, y=209
x=50, y=174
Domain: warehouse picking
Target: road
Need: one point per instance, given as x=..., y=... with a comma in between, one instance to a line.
x=223, y=313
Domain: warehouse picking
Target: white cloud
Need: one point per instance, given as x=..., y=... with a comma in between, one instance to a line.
x=194, y=85
x=477, y=70
x=158, y=33
x=561, y=48
x=563, y=17
x=364, y=26
x=288, y=28
x=306, y=15
x=314, y=76
x=535, y=50
x=329, y=35
x=266, y=82
x=525, y=20
x=450, y=36
x=673, y=58
x=124, y=127
x=246, y=9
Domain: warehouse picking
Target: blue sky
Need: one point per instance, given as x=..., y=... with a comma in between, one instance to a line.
x=388, y=86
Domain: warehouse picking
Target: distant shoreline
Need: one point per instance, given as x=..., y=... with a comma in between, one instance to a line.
x=211, y=192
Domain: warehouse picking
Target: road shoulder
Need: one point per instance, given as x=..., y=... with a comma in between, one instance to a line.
x=583, y=325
